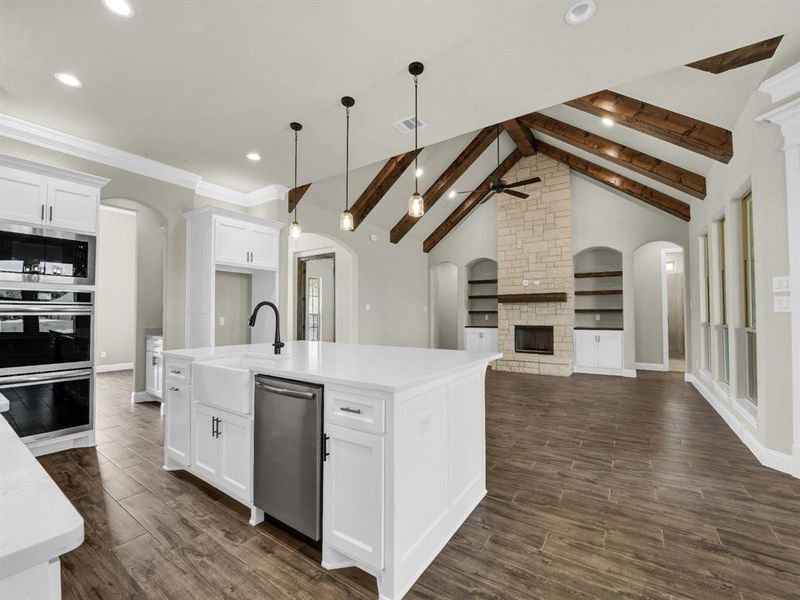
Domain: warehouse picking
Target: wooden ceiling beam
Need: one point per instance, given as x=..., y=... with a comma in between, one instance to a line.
x=677, y=177
x=447, y=179
x=741, y=57
x=296, y=194
x=380, y=184
x=620, y=183
x=687, y=132
x=522, y=136
x=473, y=200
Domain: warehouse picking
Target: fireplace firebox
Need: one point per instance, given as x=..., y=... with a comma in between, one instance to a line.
x=533, y=339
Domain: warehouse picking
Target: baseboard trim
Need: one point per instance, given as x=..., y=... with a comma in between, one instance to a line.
x=652, y=366
x=137, y=397
x=116, y=367
x=780, y=461
x=612, y=372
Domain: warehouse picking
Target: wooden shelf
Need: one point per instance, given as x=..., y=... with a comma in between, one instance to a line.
x=483, y=297
x=598, y=328
x=480, y=281
x=482, y=312
x=598, y=274
x=597, y=292
x=598, y=310
x=480, y=326
x=540, y=297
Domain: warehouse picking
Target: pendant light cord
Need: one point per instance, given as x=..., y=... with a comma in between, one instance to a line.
x=416, y=128
x=347, y=160
x=295, y=172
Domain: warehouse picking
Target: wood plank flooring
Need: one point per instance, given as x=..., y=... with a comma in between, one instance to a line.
x=599, y=487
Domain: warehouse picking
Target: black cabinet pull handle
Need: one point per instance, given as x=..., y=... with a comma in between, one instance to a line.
x=325, y=453
x=51, y=213
x=355, y=411
x=42, y=212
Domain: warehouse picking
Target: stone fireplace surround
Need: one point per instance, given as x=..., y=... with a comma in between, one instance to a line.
x=534, y=245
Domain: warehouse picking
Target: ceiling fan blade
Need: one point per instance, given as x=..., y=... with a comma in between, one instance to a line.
x=515, y=193
x=487, y=197
x=523, y=182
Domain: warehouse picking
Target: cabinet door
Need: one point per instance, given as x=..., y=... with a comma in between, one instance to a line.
x=205, y=448
x=150, y=372
x=264, y=247
x=490, y=340
x=609, y=351
x=353, y=489
x=236, y=455
x=177, y=423
x=72, y=206
x=159, y=377
x=585, y=350
x=22, y=196
x=231, y=242
x=472, y=341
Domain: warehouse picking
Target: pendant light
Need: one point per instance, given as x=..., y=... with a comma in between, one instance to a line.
x=294, y=229
x=346, y=219
x=416, y=204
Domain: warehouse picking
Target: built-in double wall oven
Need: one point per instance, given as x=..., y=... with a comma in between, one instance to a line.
x=46, y=360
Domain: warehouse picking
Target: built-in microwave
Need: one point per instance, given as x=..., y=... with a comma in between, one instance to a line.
x=35, y=254
x=42, y=330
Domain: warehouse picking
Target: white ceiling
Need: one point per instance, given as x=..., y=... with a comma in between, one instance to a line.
x=197, y=85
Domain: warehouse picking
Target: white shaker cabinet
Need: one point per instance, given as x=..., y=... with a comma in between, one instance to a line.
x=177, y=398
x=598, y=351
x=263, y=247
x=245, y=244
x=72, y=206
x=480, y=339
x=353, y=481
x=23, y=196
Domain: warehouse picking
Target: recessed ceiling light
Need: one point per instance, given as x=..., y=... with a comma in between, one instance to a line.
x=418, y=172
x=254, y=156
x=69, y=80
x=119, y=7
x=607, y=121
x=580, y=12
x=452, y=194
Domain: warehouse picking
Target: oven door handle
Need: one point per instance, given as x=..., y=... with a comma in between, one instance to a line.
x=53, y=377
x=44, y=309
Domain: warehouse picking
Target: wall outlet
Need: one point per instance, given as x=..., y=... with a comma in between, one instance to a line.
x=525, y=283
x=485, y=317
x=222, y=321
x=536, y=282
x=425, y=422
x=367, y=307
x=373, y=237
x=596, y=317
x=782, y=303
x=781, y=283
x=103, y=354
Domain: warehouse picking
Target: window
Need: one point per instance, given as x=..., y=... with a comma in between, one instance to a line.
x=749, y=278
x=312, y=316
x=723, y=356
x=705, y=304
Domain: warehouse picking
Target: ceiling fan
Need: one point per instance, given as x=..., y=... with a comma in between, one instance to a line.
x=498, y=185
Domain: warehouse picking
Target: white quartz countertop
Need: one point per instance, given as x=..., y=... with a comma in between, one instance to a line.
x=37, y=522
x=387, y=368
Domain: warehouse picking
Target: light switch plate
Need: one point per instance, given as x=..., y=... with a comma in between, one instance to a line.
x=367, y=308
x=781, y=283
x=782, y=303
x=373, y=237
x=222, y=321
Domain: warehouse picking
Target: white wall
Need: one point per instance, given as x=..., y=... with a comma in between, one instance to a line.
x=648, y=280
x=115, y=308
x=444, y=305
x=232, y=303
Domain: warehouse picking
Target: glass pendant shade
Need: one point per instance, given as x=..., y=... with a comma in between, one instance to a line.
x=295, y=230
x=346, y=221
x=416, y=205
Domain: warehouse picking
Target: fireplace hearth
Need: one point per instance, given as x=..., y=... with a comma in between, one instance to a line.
x=533, y=339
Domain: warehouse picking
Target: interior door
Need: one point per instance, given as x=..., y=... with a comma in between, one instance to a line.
x=22, y=196
x=353, y=488
x=71, y=206
x=585, y=350
x=230, y=242
x=205, y=447
x=264, y=247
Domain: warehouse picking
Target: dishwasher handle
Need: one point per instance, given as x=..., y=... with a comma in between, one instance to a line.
x=284, y=392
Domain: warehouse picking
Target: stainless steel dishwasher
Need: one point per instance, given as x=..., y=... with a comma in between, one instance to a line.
x=288, y=453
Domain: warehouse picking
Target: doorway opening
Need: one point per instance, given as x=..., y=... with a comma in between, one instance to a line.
x=316, y=297
x=673, y=301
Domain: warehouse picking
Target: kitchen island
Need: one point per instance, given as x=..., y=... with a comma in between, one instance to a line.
x=404, y=442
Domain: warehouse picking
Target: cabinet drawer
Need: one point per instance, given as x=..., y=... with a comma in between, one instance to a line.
x=356, y=411
x=178, y=373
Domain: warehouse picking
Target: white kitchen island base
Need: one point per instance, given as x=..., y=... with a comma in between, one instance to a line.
x=404, y=429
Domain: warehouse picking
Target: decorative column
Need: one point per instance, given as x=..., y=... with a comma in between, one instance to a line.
x=787, y=117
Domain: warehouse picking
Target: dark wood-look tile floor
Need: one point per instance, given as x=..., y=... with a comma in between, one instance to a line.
x=599, y=487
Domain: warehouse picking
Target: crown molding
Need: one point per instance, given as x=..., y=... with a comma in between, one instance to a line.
x=50, y=171
x=787, y=117
x=784, y=84
x=45, y=137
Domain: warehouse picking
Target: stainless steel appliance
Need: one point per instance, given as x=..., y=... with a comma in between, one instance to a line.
x=45, y=330
x=289, y=453
x=40, y=255
x=44, y=405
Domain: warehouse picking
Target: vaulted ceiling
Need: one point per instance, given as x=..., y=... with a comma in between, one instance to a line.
x=197, y=85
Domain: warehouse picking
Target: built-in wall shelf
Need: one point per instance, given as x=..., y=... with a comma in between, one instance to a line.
x=598, y=328
x=597, y=292
x=598, y=310
x=540, y=297
x=598, y=274
x=480, y=281
x=482, y=296
x=480, y=326
x=482, y=312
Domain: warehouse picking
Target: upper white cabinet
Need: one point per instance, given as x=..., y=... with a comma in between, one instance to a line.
x=263, y=247
x=245, y=244
x=43, y=196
